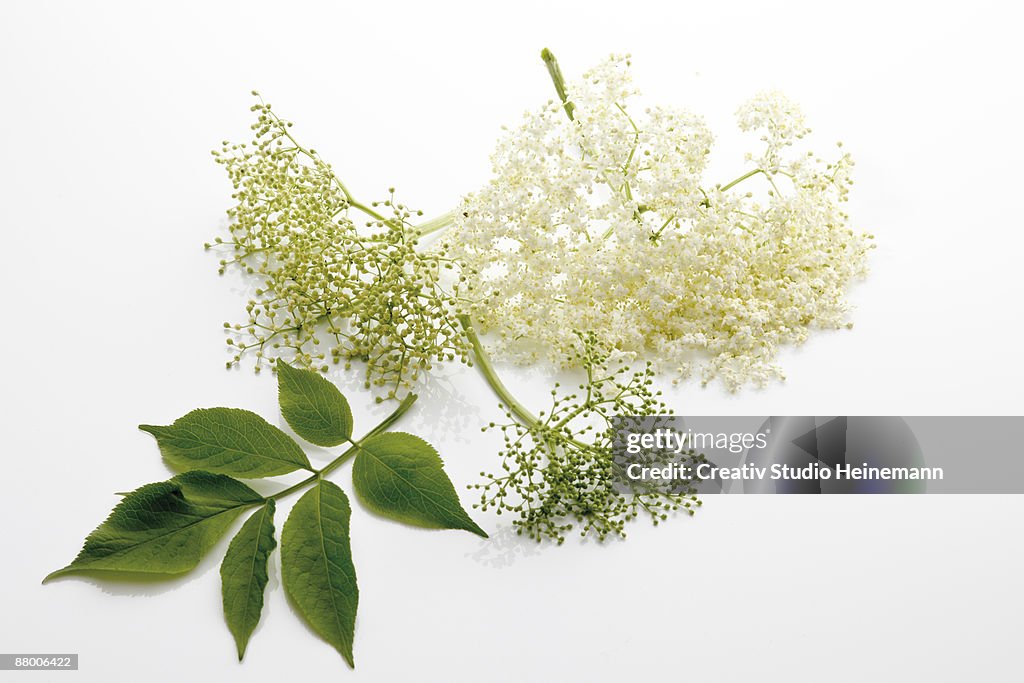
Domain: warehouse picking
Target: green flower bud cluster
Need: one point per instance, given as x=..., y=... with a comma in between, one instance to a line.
x=333, y=290
x=559, y=470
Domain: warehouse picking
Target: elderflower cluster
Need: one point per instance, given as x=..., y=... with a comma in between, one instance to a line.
x=559, y=471
x=602, y=220
x=362, y=291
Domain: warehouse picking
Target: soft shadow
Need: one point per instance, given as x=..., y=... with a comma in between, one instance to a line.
x=136, y=584
x=453, y=418
x=504, y=548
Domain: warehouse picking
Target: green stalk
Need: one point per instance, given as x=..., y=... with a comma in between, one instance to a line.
x=483, y=364
x=435, y=224
x=559, y=81
x=741, y=179
x=365, y=209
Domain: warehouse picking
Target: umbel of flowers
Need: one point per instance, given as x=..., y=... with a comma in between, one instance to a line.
x=599, y=217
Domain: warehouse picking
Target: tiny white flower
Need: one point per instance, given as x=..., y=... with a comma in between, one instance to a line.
x=616, y=230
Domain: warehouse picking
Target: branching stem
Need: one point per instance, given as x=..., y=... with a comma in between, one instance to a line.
x=349, y=452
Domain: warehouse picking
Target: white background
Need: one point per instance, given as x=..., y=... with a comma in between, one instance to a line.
x=112, y=317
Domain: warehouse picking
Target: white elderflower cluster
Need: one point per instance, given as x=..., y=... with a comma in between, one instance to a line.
x=599, y=218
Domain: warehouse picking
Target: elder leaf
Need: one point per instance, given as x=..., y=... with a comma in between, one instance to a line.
x=313, y=407
x=228, y=441
x=401, y=476
x=316, y=565
x=244, y=574
x=214, y=490
x=156, y=529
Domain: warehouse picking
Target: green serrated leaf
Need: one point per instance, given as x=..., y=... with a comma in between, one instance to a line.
x=316, y=565
x=228, y=441
x=214, y=490
x=401, y=476
x=313, y=407
x=244, y=574
x=156, y=529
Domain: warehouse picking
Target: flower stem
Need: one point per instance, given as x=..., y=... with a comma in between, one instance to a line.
x=558, y=80
x=483, y=363
x=367, y=210
x=435, y=224
x=741, y=179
